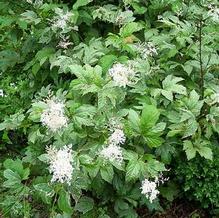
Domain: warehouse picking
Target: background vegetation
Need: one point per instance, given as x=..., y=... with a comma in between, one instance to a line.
x=146, y=70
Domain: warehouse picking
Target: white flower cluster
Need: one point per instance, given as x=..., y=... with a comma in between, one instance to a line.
x=149, y=188
x=122, y=75
x=62, y=19
x=1, y=93
x=214, y=13
x=36, y=3
x=60, y=164
x=113, y=151
x=64, y=43
x=117, y=137
x=53, y=117
x=146, y=50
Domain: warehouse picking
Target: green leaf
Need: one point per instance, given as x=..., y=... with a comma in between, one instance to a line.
x=80, y=3
x=149, y=117
x=189, y=149
x=45, y=192
x=64, y=202
x=107, y=173
x=165, y=151
x=12, y=122
x=169, y=192
x=45, y=189
x=106, y=62
x=35, y=68
x=130, y=28
x=13, y=179
x=44, y=54
x=134, y=120
x=170, y=86
x=8, y=59
x=133, y=170
x=153, y=167
x=84, y=204
x=193, y=103
x=17, y=167
x=153, y=139
x=205, y=152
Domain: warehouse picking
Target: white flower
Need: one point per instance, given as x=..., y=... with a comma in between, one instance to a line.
x=64, y=43
x=1, y=93
x=53, y=116
x=146, y=50
x=117, y=137
x=149, y=189
x=214, y=13
x=60, y=164
x=36, y=3
x=122, y=75
x=112, y=153
x=62, y=19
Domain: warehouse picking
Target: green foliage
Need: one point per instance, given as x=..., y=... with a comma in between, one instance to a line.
x=199, y=180
x=148, y=69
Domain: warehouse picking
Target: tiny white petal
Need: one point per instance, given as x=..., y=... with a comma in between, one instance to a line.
x=149, y=189
x=112, y=153
x=117, y=137
x=61, y=20
x=60, y=164
x=121, y=74
x=214, y=13
x=146, y=50
x=53, y=116
x=1, y=93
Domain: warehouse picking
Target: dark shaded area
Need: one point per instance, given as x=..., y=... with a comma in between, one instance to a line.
x=178, y=209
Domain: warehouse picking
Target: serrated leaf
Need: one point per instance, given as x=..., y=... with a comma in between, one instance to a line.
x=84, y=204
x=45, y=189
x=165, y=151
x=149, y=117
x=205, y=152
x=133, y=170
x=169, y=192
x=107, y=173
x=130, y=28
x=64, y=202
x=106, y=62
x=170, y=86
x=189, y=149
x=80, y=3
x=45, y=192
x=13, y=179
x=8, y=59
x=134, y=120
x=153, y=139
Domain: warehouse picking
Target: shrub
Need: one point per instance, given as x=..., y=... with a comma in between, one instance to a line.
x=96, y=99
x=199, y=180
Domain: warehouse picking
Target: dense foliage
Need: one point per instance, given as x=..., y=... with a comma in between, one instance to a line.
x=107, y=106
x=199, y=179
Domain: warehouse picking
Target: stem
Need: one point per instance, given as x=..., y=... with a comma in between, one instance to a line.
x=200, y=60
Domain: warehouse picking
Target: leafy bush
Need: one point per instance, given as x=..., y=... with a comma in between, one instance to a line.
x=98, y=97
x=199, y=179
